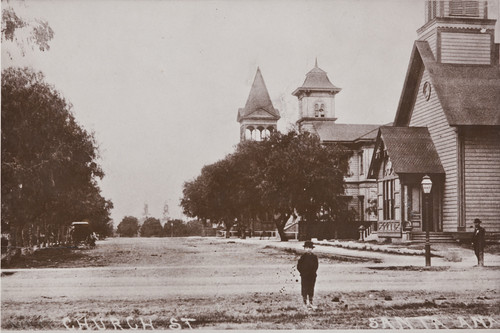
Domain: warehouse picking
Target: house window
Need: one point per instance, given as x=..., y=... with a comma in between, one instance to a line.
x=388, y=198
x=322, y=111
x=464, y=8
x=316, y=110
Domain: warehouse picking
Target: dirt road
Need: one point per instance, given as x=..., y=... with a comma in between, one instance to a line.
x=223, y=284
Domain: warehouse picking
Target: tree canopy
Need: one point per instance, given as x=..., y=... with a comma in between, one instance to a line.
x=49, y=162
x=128, y=227
x=151, y=228
x=24, y=32
x=287, y=174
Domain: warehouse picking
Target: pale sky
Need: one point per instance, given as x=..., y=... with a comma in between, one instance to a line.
x=160, y=82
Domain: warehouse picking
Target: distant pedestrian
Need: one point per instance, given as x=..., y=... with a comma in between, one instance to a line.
x=307, y=267
x=478, y=242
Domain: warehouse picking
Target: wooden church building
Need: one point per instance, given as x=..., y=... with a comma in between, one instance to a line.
x=447, y=126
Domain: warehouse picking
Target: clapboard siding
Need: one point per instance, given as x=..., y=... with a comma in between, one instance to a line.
x=461, y=48
x=430, y=37
x=482, y=177
x=430, y=114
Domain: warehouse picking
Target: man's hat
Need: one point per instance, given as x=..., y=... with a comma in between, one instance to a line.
x=309, y=244
x=477, y=221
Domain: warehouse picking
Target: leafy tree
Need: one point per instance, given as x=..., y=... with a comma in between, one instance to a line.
x=128, y=227
x=283, y=175
x=175, y=228
x=194, y=228
x=179, y=228
x=300, y=175
x=151, y=228
x=49, y=162
x=23, y=32
x=211, y=195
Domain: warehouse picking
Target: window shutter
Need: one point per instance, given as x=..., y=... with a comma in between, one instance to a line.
x=471, y=8
x=464, y=8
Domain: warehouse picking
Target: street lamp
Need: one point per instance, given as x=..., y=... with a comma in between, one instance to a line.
x=427, y=187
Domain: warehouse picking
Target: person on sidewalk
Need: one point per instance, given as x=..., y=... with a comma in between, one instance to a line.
x=307, y=267
x=478, y=242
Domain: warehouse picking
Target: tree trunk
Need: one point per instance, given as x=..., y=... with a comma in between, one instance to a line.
x=280, y=226
x=228, y=230
x=242, y=225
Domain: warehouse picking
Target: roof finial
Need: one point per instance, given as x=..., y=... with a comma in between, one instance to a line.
x=316, y=63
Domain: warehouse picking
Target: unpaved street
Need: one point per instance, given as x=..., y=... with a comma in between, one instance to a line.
x=220, y=283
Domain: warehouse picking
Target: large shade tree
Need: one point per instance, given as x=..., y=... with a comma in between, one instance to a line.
x=151, y=228
x=128, y=227
x=301, y=176
x=50, y=172
x=212, y=195
x=287, y=174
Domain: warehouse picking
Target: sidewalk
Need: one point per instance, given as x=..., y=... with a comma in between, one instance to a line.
x=448, y=255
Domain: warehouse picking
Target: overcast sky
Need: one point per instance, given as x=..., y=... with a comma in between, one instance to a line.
x=160, y=82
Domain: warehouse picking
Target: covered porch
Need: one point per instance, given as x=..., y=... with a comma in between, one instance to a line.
x=403, y=156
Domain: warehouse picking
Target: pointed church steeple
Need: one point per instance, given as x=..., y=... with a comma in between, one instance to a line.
x=259, y=117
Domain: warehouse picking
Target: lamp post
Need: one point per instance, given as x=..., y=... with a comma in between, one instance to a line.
x=427, y=187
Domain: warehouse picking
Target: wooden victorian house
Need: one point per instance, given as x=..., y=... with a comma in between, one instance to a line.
x=316, y=99
x=447, y=126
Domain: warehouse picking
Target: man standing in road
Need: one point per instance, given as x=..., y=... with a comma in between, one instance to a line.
x=478, y=242
x=307, y=267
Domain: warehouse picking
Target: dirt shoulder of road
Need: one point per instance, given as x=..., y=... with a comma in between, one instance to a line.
x=333, y=251
x=123, y=252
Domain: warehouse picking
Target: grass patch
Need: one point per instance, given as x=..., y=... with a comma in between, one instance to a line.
x=247, y=311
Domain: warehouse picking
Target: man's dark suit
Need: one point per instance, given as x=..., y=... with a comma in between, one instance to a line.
x=479, y=242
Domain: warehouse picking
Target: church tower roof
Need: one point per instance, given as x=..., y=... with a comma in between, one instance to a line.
x=316, y=80
x=259, y=103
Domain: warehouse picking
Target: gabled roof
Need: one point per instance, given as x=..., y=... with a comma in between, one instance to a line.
x=331, y=132
x=259, y=103
x=469, y=94
x=316, y=80
x=410, y=149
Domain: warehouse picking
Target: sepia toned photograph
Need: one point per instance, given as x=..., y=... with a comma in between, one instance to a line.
x=250, y=165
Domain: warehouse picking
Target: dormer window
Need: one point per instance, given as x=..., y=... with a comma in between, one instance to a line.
x=464, y=8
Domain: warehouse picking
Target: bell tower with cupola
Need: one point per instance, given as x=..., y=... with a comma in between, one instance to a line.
x=316, y=99
x=459, y=32
x=258, y=119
